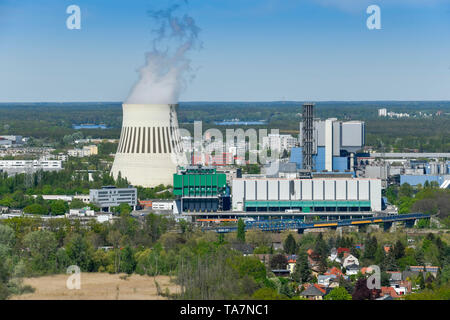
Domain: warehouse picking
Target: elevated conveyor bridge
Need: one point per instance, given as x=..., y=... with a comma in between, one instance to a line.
x=300, y=225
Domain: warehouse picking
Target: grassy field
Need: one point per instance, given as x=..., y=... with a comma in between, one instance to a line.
x=98, y=286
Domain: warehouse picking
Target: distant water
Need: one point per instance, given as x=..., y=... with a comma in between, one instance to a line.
x=237, y=123
x=89, y=126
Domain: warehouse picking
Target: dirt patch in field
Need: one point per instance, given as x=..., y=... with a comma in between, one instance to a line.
x=98, y=286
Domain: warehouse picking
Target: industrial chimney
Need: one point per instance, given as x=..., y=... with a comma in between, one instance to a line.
x=150, y=147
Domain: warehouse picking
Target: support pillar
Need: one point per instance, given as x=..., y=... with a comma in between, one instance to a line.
x=394, y=226
x=362, y=227
x=387, y=226
x=410, y=223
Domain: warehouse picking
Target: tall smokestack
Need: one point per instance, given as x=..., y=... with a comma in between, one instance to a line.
x=307, y=136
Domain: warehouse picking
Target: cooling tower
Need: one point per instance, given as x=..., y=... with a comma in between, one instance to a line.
x=149, y=148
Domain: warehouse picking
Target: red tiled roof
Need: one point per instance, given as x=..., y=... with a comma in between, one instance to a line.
x=407, y=285
x=339, y=250
x=346, y=254
x=390, y=291
x=334, y=271
x=366, y=269
x=321, y=288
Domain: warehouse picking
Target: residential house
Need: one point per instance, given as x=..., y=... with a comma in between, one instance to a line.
x=402, y=288
x=314, y=292
x=336, y=271
x=409, y=276
x=334, y=255
x=365, y=270
x=400, y=284
x=388, y=292
x=348, y=260
x=342, y=250
x=394, y=277
x=324, y=280
x=292, y=260
x=334, y=283
x=352, y=269
x=277, y=242
x=313, y=263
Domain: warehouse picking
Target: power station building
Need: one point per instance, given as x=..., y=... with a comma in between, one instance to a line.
x=334, y=142
x=149, y=149
x=306, y=195
x=201, y=189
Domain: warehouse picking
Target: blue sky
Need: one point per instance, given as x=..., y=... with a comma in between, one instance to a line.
x=253, y=50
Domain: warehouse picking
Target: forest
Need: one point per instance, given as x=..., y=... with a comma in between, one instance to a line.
x=207, y=265
x=429, y=199
x=425, y=134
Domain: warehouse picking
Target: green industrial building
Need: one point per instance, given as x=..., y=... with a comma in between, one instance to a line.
x=201, y=189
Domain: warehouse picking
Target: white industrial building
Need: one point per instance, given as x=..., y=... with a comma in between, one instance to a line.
x=306, y=195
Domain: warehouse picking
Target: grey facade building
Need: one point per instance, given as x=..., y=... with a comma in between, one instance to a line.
x=342, y=135
x=110, y=196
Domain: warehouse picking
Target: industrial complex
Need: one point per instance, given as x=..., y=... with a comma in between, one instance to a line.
x=326, y=175
x=322, y=182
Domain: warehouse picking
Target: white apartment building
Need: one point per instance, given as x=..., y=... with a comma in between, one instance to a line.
x=382, y=112
x=86, y=151
x=279, y=142
x=31, y=164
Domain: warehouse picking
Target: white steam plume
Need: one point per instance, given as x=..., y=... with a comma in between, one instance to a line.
x=167, y=67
